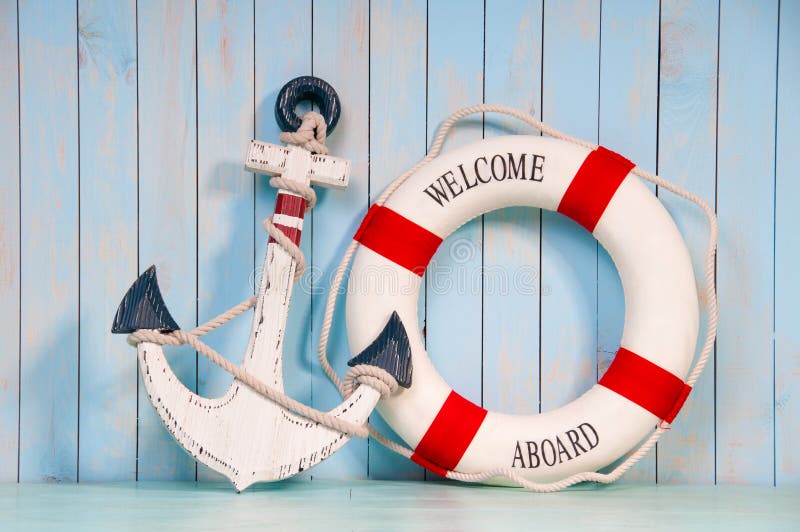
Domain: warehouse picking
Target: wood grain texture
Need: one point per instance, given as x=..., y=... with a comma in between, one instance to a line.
x=341, y=57
x=569, y=254
x=168, y=201
x=9, y=243
x=414, y=505
x=398, y=68
x=511, y=261
x=787, y=246
x=283, y=30
x=74, y=236
x=225, y=206
x=628, y=114
x=687, y=156
x=745, y=199
x=108, y=224
x=454, y=281
x=49, y=248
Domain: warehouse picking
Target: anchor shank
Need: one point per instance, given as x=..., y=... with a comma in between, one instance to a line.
x=264, y=359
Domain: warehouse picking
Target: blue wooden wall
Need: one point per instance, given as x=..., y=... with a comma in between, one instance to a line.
x=123, y=124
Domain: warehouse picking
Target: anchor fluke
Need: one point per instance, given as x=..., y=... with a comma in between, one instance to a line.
x=143, y=307
x=390, y=351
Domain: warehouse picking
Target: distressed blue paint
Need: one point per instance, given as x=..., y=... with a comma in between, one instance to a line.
x=787, y=244
x=397, y=140
x=687, y=156
x=598, y=79
x=745, y=199
x=453, y=304
x=167, y=201
x=224, y=190
x=49, y=247
x=9, y=243
x=403, y=505
x=107, y=70
x=341, y=57
x=628, y=115
x=283, y=31
x=569, y=254
x=511, y=236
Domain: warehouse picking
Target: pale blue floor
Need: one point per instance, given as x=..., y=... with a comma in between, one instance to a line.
x=375, y=505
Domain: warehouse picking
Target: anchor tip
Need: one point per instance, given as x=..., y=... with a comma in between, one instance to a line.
x=391, y=351
x=143, y=307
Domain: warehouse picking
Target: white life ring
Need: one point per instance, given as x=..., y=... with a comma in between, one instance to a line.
x=645, y=382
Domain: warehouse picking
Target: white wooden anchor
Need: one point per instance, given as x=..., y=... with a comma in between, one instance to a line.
x=243, y=435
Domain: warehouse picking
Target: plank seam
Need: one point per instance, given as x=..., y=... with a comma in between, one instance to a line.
x=716, y=208
x=658, y=144
x=78, y=88
x=774, y=247
x=196, y=204
x=138, y=229
x=19, y=252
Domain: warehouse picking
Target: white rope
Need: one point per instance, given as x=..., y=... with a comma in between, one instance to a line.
x=509, y=474
x=311, y=136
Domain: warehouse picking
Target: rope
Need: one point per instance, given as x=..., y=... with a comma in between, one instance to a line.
x=311, y=136
x=509, y=474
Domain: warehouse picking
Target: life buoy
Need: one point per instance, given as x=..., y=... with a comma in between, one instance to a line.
x=645, y=382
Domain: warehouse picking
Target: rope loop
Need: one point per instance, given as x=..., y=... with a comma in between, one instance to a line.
x=310, y=135
x=710, y=297
x=376, y=377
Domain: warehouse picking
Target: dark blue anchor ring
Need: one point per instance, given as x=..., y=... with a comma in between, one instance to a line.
x=308, y=88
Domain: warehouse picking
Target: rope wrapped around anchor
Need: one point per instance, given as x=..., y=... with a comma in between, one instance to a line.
x=311, y=136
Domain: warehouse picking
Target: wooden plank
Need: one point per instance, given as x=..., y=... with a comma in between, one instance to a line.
x=341, y=57
x=167, y=201
x=414, y=505
x=511, y=258
x=108, y=224
x=397, y=141
x=283, y=30
x=787, y=244
x=225, y=59
x=569, y=254
x=687, y=156
x=9, y=243
x=453, y=304
x=49, y=247
x=745, y=198
x=628, y=111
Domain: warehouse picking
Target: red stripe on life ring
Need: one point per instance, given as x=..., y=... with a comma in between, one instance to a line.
x=397, y=238
x=648, y=385
x=593, y=186
x=447, y=439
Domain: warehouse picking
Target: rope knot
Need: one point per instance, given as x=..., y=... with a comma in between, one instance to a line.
x=310, y=135
x=373, y=376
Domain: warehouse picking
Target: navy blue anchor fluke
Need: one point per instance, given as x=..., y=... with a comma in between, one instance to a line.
x=390, y=351
x=143, y=307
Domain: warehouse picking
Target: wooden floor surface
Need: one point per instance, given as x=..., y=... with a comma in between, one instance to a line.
x=392, y=505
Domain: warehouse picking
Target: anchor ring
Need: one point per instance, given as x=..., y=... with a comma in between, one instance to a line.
x=315, y=90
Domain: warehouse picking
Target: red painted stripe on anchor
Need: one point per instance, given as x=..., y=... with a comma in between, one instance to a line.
x=450, y=434
x=292, y=232
x=290, y=205
x=647, y=384
x=593, y=186
x=397, y=238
